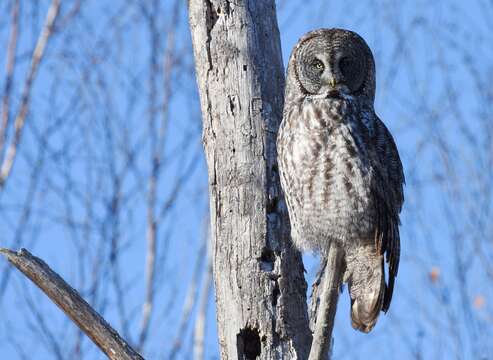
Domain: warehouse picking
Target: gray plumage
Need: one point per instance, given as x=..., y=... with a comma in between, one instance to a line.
x=339, y=166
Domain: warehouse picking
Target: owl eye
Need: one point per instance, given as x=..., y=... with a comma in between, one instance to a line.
x=345, y=64
x=317, y=65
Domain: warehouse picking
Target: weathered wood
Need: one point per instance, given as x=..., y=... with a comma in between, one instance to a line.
x=259, y=283
x=69, y=300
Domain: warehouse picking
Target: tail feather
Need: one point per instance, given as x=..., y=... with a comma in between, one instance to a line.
x=366, y=282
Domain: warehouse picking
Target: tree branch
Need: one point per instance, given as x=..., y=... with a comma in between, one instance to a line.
x=325, y=315
x=199, y=330
x=62, y=294
x=20, y=119
x=11, y=49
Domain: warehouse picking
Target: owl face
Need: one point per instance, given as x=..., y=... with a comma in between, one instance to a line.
x=334, y=63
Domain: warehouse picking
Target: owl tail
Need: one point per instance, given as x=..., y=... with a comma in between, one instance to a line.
x=366, y=282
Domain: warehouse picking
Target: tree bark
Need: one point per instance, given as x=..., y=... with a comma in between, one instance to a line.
x=258, y=275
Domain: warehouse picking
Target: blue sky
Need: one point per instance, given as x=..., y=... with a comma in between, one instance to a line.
x=434, y=66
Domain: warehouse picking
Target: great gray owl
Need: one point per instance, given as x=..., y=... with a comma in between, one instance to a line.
x=339, y=166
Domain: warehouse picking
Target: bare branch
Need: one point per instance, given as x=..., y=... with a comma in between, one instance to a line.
x=152, y=223
x=9, y=75
x=62, y=294
x=189, y=304
x=328, y=305
x=20, y=119
x=157, y=144
x=199, y=330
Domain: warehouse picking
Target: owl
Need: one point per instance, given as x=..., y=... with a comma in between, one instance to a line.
x=339, y=166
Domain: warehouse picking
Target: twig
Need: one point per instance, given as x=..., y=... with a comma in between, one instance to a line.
x=62, y=294
x=190, y=302
x=199, y=330
x=9, y=76
x=328, y=305
x=20, y=119
x=152, y=223
x=157, y=149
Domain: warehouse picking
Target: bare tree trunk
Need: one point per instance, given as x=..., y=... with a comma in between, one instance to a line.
x=260, y=288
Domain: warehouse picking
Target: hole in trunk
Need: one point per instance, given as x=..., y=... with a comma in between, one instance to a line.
x=248, y=344
x=267, y=260
x=275, y=294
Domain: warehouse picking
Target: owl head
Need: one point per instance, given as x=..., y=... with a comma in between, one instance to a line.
x=332, y=63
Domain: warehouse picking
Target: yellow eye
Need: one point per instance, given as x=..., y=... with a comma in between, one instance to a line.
x=317, y=64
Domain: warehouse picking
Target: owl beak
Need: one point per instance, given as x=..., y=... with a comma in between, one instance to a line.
x=329, y=79
x=332, y=90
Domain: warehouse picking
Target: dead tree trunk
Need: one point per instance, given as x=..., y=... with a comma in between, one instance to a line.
x=260, y=288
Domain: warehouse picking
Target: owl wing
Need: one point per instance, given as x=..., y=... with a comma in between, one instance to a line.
x=389, y=194
x=289, y=180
